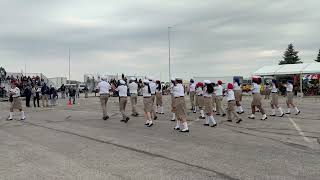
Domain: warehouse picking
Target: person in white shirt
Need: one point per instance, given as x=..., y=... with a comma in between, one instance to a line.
x=180, y=106
x=238, y=95
x=192, y=92
x=14, y=92
x=104, y=88
x=123, y=94
x=218, y=90
x=133, y=88
x=200, y=99
x=231, y=104
x=147, y=102
x=289, y=91
x=256, y=101
x=208, y=91
x=153, y=88
x=159, y=107
x=173, y=109
x=274, y=99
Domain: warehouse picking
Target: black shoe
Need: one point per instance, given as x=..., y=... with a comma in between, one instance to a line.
x=272, y=115
x=185, y=130
x=123, y=120
x=229, y=120
x=177, y=129
x=161, y=113
x=238, y=112
x=9, y=119
x=202, y=117
x=223, y=115
x=298, y=113
x=194, y=111
x=149, y=125
x=288, y=113
x=218, y=114
x=127, y=119
x=172, y=120
x=251, y=117
x=214, y=125
x=239, y=121
x=281, y=115
x=206, y=124
x=155, y=118
x=241, y=112
x=146, y=124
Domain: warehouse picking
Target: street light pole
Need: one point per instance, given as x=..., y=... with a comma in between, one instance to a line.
x=69, y=68
x=169, y=47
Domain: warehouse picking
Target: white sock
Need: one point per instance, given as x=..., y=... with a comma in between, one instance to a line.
x=185, y=126
x=156, y=109
x=280, y=110
x=252, y=115
x=195, y=109
x=22, y=114
x=173, y=116
x=240, y=108
x=214, y=109
x=297, y=110
x=289, y=110
x=207, y=120
x=237, y=109
x=202, y=113
x=161, y=108
x=178, y=124
x=10, y=115
x=212, y=120
x=273, y=111
x=150, y=121
x=147, y=122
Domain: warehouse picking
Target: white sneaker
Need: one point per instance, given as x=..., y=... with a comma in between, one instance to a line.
x=264, y=117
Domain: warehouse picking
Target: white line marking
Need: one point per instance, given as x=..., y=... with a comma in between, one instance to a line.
x=299, y=130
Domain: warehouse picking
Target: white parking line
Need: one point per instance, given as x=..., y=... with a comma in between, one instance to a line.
x=299, y=130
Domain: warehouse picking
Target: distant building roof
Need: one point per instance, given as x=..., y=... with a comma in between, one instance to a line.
x=288, y=69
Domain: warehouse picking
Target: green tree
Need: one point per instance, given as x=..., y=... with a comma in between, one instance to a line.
x=318, y=58
x=290, y=56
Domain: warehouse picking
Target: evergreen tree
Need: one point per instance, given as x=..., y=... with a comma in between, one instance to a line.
x=290, y=56
x=318, y=58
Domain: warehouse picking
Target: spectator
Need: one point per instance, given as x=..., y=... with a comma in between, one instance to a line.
x=27, y=94
x=45, y=93
x=36, y=95
x=63, y=91
x=54, y=96
x=72, y=94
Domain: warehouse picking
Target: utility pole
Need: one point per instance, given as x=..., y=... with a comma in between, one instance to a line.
x=69, y=68
x=169, y=47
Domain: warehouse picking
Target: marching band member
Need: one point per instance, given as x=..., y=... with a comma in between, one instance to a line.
x=208, y=91
x=153, y=88
x=192, y=91
x=16, y=101
x=289, y=90
x=133, y=89
x=274, y=98
x=238, y=95
x=231, y=104
x=256, y=100
x=214, y=105
x=104, y=88
x=200, y=99
x=173, y=109
x=218, y=90
x=180, y=106
x=159, y=107
x=123, y=94
x=147, y=102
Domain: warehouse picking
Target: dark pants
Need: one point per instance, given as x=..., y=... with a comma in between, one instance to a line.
x=73, y=98
x=28, y=101
x=36, y=98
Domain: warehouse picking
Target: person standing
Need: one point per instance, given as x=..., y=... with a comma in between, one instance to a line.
x=180, y=105
x=36, y=95
x=208, y=91
x=274, y=99
x=44, y=95
x=147, y=102
x=192, y=92
x=104, y=88
x=231, y=99
x=200, y=99
x=16, y=101
x=238, y=95
x=133, y=89
x=256, y=98
x=153, y=88
x=54, y=96
x=123, y=94
x=218, y=90
x=72, y=95
x=267, y=91
x=173, y=109
x=159, y=107
x=28, y=94
x=63, y=91
x=289, y=91
x=214, y=105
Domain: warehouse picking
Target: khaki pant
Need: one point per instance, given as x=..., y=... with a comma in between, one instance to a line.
x=214, y=102
x=173, y=109
x=219, y=105
x=192, y=93
x=231, y=110
x=122, y=104
x=104, y=100
x=44, y=99
x=133, y=100
x=153, y=99
x=159, y=99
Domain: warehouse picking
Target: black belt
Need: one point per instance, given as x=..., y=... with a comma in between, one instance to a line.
x=16, y=97
x=274, y=92
x=179, y=97
x=153, y=94
x=255, y=93
x=123, y=96
x=199, y=95
x=147, y=97
x=207, y=96
x=231, y=100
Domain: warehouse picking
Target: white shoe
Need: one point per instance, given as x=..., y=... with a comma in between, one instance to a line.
x=264, y=117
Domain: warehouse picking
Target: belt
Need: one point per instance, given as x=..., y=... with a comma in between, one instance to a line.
x=133, y=93
x=153, y=94
x=179, y=97
x=16, y=97
x=231, y=100
x=104, y=93
x=147, y=97
x=207, y=96
x=200, y=95
x=274, y=92
x=123, y=96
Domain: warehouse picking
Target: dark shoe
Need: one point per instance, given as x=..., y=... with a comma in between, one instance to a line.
x=239, y=121
x=214, y=125
x=281, y=115
x=177, y=129
x=127, y=119
x=173, y=120
x=223, y=115
x=186, y=130
x=218, y=114
x=272, y=115
x=206, y=124
x=146, y=124
x=251, y=117
x=161, y=113
x=194, y=111
x=288, y=113
x=9, y=119
x=229, y=120
x=149, y=125
x=123, y=120
x=298, y=113
x=155, y=118
x=241, y=112
x=202, y=117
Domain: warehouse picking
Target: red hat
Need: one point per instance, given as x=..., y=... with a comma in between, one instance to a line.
x=219, y=82
x=199, y=84
x=230, y=86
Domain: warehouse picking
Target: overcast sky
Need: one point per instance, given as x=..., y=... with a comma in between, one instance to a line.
x=209, y=37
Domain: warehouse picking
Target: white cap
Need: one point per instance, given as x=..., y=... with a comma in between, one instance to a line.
x=104, y=78
x=122, y=82
x=146, y=81
x=150, y=78
x=177, y=79
x=133, y=78
x=207, y=81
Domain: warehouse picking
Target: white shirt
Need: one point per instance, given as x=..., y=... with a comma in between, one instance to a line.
x=255, y=88
x=178, y=90
x=192, y=87
x=230, y=95
x=289, y=87
x=274, y=89
x=218, y=90
x=16, y=92
x=145, y=92
x=236, y=86
x=199, y=91
x=157, y=90
x=123, y=90
x=206, y=94
x=104, y=87
x=133, y=88
x=153, y=87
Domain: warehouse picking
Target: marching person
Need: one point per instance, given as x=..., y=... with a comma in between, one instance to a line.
x=200, y=99
x=153, y=88
x=214, y=105
x=173, y=109
x=208, y=91
x=147, y=102
x=159, y=107
x=104, y=88
x=289, y=91
x=133, y=89
x=274, y=99
x=267, y=91
x=180, y=106
x=238, y=95
x=123, y=94
x=192, y=92
x=36, y=95
x=218, y=90
x=256, y=98
x=16, y=101
x=231, y=104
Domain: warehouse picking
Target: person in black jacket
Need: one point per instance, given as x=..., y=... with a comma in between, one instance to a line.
x=72, y=94
x=36, y=95
x=63, y=91
x=45, y=94
x=28, y=93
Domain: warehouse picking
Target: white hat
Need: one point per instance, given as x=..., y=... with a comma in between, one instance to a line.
x=207, y=81
x=178, y=79
x=146, y=81
x=150, y=78
x=104, y=78
x=133, y=78
x=122, y=82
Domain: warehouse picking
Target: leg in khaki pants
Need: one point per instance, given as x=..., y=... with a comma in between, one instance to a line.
x=133, y=100
x=104, y=101
x=219, y=106
x=231, y=111
x=123, y=104
x=192, y=93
